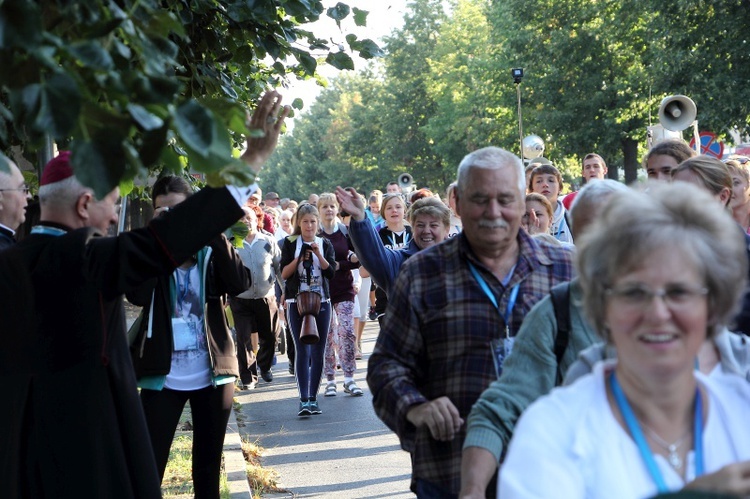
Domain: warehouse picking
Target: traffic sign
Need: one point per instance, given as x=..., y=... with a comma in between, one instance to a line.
x=709, y=145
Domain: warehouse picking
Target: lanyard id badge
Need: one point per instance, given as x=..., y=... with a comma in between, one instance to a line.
x=185, y=334
x=501, y=348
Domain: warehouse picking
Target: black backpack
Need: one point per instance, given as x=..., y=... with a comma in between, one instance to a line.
x=560, y=296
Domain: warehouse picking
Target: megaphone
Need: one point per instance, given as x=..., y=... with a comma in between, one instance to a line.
x=677, y=112
x=533, y=146
x=405, y=181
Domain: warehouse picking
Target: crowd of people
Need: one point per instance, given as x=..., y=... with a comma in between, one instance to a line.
x=531, y=343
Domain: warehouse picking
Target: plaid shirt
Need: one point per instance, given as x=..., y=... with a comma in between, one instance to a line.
x=436, y=340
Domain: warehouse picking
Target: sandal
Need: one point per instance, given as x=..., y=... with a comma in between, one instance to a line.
x=352, y=389
x=330, y=389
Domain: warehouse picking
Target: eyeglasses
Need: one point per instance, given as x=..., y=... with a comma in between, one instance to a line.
x=639, y=297
x=24, y=189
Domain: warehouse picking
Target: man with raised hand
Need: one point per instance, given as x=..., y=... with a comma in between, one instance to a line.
x=72, y=425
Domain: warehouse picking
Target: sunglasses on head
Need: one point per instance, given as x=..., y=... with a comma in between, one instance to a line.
x=740, y=159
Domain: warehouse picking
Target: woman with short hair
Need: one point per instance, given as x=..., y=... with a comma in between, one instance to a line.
x=661, y=272
x=538, y=216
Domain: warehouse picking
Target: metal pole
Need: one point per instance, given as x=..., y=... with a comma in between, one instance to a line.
x=123, y=213
x=520, y=119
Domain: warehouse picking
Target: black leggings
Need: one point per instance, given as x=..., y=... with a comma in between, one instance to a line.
x=210, y=409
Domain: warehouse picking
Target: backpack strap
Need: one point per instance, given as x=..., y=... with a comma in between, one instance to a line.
x=566, y=216
x=560, y=296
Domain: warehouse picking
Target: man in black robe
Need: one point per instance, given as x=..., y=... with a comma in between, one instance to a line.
x=72, y=423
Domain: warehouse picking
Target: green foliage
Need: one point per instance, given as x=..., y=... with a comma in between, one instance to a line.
x=704, y=52
x=367, y=129
x=135, y=85
x=595, y=74
x=463, y=60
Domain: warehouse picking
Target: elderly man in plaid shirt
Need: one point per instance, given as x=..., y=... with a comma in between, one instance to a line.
x=452, y=317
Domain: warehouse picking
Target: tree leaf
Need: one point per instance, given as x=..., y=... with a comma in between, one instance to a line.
x=152, y=144
x=60, y=102
x=146, y=120
x=162, y=23
x=239, y=231
x=297, y=103
x=91, y=54
x=99, y=163
x=340, y=60
x=126, y=187
x=369, y=49
x=171, y=160
x=307, y=61
x=195, y=126
x=20, y=24
x=25, y=102
x=338, y=12
x=360, y=16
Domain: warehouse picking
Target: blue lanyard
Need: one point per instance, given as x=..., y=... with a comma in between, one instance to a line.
x=50, y=231
x=487, y=291
x=640, y=439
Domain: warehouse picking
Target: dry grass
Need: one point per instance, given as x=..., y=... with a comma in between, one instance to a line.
x=178, y=481
x=262, y=480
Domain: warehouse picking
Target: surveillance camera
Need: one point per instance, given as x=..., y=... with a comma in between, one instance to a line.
x=517, y=74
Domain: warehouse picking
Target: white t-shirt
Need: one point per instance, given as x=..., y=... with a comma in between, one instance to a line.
x=569, y=444
x=191, y=364
x=316, y=274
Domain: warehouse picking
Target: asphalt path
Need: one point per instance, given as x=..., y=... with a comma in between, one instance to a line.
x=346, y=452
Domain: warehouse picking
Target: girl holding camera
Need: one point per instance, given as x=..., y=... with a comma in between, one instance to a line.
x=308, y=262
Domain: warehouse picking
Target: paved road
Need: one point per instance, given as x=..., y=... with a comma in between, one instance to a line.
x=346, y=452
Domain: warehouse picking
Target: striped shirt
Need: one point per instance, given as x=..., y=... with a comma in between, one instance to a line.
x=436, y=340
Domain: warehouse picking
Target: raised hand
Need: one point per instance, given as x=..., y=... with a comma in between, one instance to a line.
x=269, y=117
x=351, y=202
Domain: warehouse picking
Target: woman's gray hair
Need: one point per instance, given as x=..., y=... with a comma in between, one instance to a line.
x=432, y=207
x=589, y=202
x=668, y=217
x=490, y=158
x=594, y=191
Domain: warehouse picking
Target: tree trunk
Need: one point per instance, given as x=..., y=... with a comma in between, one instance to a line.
x=630, y=160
